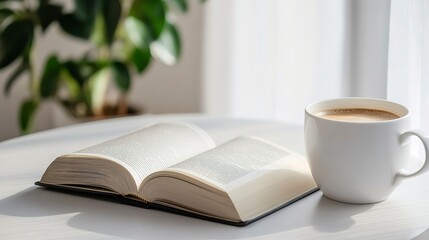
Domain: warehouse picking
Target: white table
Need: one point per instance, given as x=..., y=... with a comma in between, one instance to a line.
x=30, y=212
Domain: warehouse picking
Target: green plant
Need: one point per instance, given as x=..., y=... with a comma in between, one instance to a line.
x=125, y=36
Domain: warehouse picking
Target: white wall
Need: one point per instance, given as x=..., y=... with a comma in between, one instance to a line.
x=161, y=89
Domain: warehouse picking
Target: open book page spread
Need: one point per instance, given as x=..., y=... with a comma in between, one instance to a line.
x=155, y=147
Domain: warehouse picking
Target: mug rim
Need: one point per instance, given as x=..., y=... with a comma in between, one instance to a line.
x=402, y=108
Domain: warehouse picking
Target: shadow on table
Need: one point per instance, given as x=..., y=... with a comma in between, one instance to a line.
x=109, y=218
x=333, y=216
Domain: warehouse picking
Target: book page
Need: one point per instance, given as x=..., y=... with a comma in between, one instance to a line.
x=154, y=147
x=233, y=160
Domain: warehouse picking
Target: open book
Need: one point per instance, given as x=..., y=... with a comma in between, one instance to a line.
x=177, y=167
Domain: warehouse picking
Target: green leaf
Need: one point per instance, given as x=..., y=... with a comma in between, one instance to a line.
x=26, y=115
x=121, y=75
x=98, y=36
x=137, y=32
x=14, y=76
x=181, y=5
x=85, y=10
x=168, y=47
x=75, y=27
x=80, y=23
x=72, y=85
x=50, y=78
x=152, y=13
x=4, y=13
x=48, y=13
x=73, y=69
x=141, y=58
x=15, y=39
x=81, y=71
x=96, y=90
x=111, y=10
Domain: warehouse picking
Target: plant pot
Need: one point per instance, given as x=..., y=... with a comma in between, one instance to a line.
x=61, y=117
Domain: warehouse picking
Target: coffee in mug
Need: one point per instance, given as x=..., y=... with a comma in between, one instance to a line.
x=358, y=148
x=357, y=115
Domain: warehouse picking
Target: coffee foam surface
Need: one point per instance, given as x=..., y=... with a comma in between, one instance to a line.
x=357, y=115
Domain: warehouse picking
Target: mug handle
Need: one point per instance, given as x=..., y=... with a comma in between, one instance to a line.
x=425, y=140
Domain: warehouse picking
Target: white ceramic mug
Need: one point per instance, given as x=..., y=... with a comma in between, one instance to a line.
x=359, y=162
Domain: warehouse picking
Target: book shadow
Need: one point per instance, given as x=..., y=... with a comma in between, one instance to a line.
x=104, y=216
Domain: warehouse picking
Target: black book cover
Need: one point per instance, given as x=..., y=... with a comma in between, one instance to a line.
x=113, y=197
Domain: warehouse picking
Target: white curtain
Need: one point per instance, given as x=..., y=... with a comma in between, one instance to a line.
x=408, y=75
x=269, y=59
